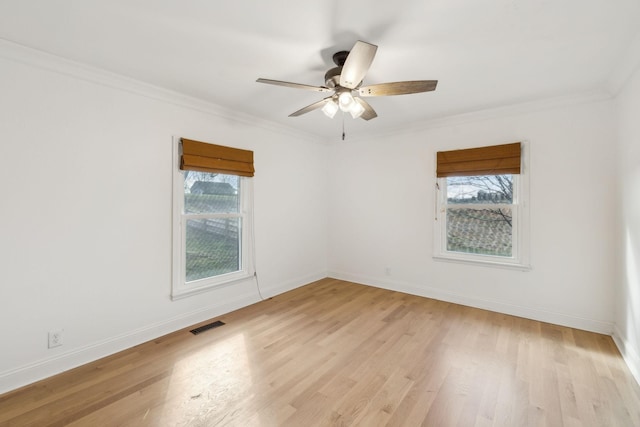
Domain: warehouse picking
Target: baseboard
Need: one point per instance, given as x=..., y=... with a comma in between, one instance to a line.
x=268, y=292
x=24, y=375
x=629, y=354
x=491, y=305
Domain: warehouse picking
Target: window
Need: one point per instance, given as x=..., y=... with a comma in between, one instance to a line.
x=481, y=206
x=212, y=216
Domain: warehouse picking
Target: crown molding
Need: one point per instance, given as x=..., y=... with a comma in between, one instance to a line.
x=40, y=59
x=33, y=57
x=597, y=95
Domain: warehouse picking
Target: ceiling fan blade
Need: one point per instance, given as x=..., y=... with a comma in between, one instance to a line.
x=369, y=112
x=398, y=88
x=311, y=107
x=357, y=64
x=295, y=85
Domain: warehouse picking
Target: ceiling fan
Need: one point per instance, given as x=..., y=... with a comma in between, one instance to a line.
x=345, y=81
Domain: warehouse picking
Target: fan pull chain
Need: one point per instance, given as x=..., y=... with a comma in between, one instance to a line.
x=343, y=134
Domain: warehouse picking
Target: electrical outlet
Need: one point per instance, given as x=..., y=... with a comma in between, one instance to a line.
x=387, y=271
x=55, y=338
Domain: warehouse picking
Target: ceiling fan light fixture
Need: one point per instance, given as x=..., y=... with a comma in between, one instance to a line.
x=330, y=109
x=346, y=101
x=356, y=110
x=345, y=83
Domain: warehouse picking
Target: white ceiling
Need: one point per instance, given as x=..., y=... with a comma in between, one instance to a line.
x=485, y=53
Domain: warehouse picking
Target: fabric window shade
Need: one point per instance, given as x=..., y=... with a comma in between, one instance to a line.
x=493, y=160
x=203, y=157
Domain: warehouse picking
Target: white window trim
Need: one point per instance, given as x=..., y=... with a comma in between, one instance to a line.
x=179, y=287
x=520, y=213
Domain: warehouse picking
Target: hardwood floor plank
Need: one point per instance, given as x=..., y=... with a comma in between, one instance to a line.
x=335, y=353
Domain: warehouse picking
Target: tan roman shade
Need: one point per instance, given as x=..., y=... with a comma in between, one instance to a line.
x=203, y=157
x=493, y=160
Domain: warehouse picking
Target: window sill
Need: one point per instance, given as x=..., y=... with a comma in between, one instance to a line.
x=483, y=262
x=185, y=291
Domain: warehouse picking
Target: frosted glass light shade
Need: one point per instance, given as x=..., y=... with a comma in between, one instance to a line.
x=330, y=109
x=356, y=110
x=345, y=100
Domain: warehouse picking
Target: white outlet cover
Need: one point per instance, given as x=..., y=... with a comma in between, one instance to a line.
x=55, y=338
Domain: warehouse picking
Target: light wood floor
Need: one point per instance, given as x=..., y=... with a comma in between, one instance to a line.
x=335, y=353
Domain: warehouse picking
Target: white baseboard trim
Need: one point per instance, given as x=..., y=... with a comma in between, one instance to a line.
x=27, y=374
x=24, y=375
x=629, y=354
x=491, y=305
x=289, y=285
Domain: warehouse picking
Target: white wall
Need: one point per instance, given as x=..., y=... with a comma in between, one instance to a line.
x=85, y=214
x=85, y=218
x=627, y=333
x=382, y=200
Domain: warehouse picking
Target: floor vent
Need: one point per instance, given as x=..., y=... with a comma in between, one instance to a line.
x=215, y=324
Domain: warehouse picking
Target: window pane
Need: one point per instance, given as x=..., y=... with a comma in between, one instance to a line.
x=211, y=193
x=212, y=247
x=480, y=189
x=480, y=231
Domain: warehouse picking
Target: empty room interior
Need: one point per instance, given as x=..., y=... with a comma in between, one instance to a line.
x=320, y=213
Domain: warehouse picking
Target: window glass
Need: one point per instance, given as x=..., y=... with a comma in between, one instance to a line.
x=481, y=219
x=211, y=193
x=479, y=215
x=480, y=189
x=212, y=247
x=480, y=231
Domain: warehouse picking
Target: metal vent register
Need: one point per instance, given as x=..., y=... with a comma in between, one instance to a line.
x=206, y=327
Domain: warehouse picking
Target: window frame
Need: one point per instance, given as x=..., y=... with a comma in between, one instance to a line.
x=519, y=259
x=180, y=288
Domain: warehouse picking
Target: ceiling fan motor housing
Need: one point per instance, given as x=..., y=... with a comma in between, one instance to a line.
x=339, y=58
x=332, y=77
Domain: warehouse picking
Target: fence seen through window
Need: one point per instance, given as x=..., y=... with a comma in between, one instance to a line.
x=213, y=230
x=479, y=214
